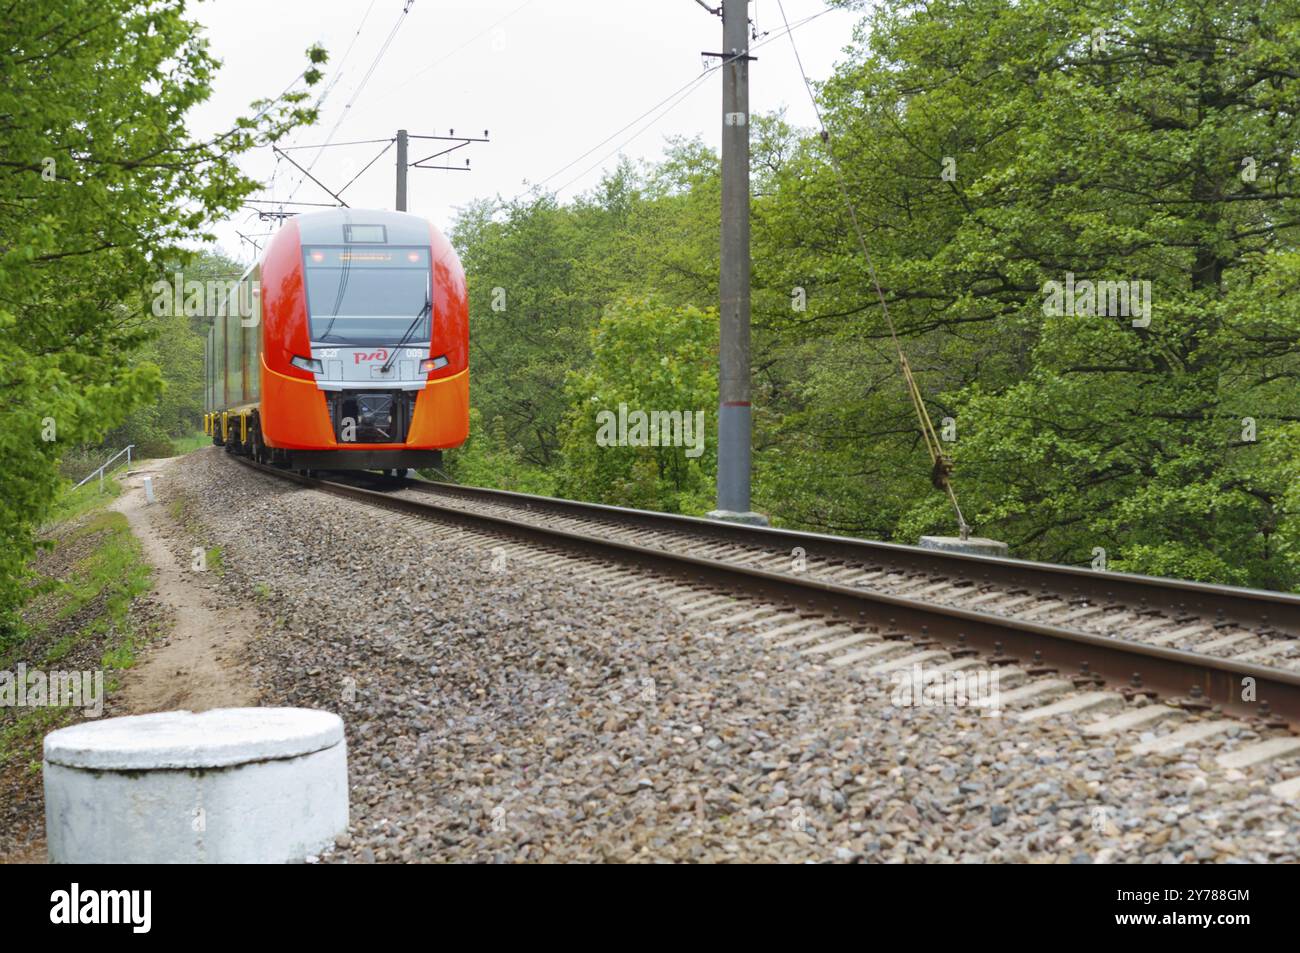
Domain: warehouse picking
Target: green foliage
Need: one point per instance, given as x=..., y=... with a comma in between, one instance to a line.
x=188, y=444
x=488, y=459
x=1151, y=141
x=540, y=276
x=72, y=503
x=1120, y=160
x=100, y=183
x=646, y=356
x=112, y=575
x=214, y=560
x=175, y=345
x=527, y=323
x=89, y=605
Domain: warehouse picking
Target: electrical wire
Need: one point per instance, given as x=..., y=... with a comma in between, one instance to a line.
x=442, y=59
x=356, y=94
x=329, y=88
x=685, y=92
x=942, y=467
x=672, y=100
x=380, y=155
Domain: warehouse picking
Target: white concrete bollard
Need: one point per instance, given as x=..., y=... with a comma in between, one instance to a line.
x=233, y=785
x=148, y=490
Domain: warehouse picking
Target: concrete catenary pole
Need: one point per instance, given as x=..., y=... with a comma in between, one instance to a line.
x=733, y=372
x=401, y=170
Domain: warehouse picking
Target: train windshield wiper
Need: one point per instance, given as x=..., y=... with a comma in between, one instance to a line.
x=407, y=336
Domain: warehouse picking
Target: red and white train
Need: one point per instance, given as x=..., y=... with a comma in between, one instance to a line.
x=346, y=347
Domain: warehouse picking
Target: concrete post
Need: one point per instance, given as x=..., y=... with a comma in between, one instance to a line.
x=401, y=170
x=734, y=412
x=233, y=785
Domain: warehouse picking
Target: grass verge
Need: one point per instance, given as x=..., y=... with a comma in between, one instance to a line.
x=195, y=441
x=79, y=616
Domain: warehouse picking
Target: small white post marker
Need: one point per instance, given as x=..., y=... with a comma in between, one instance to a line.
x=233, y=785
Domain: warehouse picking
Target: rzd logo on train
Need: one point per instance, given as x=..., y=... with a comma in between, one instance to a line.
x=380, y=355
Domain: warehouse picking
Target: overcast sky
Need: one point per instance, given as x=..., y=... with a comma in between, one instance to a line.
x=549, y=80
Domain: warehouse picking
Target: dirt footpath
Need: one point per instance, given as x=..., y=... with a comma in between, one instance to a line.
x=197, y=665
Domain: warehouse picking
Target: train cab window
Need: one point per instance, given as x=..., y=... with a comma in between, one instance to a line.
x=368, y=294
x=356, y=234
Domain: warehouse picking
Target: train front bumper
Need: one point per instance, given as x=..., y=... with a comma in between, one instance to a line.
x=295, y=416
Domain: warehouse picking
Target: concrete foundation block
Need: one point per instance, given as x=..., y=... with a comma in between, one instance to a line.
x=731, y=516
x=974, y=546
x=234, y=785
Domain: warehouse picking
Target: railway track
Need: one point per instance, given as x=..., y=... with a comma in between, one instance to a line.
x=735, y=581
x=1245, y=624
x=579, y=691
x=1096, y=636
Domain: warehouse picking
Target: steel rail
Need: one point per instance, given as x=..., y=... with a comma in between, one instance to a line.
x=1260, y=608
x=1169, y=672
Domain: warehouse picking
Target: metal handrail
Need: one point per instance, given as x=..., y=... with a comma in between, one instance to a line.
x=127, y=450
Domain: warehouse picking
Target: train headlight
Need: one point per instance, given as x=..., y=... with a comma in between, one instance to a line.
x=308, y=364
x=433, y=364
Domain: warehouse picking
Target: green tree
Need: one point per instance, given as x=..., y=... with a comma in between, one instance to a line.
x=100, y=182
x=540, y=275
x=1140, y=141
x=176, y=347
x=647, y=356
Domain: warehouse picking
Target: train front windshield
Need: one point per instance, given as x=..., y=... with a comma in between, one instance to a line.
x=367, y=295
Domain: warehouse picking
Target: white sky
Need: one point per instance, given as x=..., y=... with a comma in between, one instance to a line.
x=549, y=80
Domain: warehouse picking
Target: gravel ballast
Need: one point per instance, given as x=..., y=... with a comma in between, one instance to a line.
x=505, y=713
